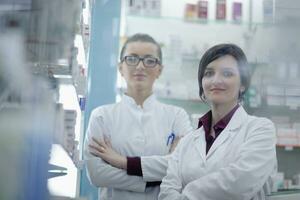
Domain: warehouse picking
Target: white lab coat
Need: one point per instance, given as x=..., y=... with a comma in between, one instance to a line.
x=133, y=131
x=238, y=166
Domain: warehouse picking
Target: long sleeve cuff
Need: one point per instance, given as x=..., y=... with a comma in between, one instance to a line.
x=134, y=167
x=153, y=184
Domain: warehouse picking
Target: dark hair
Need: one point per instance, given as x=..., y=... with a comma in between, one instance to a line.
x=140, y=37
x=218, y=51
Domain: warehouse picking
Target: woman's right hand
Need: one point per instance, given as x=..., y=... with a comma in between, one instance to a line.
x=104, y=150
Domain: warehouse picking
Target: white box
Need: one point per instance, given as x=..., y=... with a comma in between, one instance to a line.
x=292, y=91
x=275, y=100
x=287, y=141
x=286, y=132
x=296, y=126
x=292, y=101
x=280, y=126
x=152, y=8
x=293, y=71
x=275, y=90
x=281, y=71
x=277, y=180
x=278, y=120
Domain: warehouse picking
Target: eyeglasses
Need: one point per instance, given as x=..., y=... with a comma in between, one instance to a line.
x=148, y=61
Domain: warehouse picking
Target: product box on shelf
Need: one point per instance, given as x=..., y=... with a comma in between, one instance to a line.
x=286, y=132
x=287, y=141
x=296, y=126
x=273, y=100
x=190, y=11
x=237, y=11
x=280, y=70
x=221, y=10
x=144, y=7
x=292, y=91
x=287, y=137
x=292, y=101
x=293, y=70
x=253, y=97
x=275, y=90
x=202, y=9
x=152, y=8
x=268, y=11
x=281, y=121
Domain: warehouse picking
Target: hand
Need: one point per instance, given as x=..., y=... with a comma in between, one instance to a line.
x=104, y=150
x=174, y=144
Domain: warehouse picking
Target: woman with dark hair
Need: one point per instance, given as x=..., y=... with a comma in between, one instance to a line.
x=127, y=143
x=232, y=155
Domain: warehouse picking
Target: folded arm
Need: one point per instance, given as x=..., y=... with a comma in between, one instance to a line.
x=101, y=173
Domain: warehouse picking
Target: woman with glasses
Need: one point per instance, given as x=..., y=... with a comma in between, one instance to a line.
x=127, y=143
x=232, y=155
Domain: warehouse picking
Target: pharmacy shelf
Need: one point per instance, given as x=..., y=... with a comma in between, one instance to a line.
x=288, y=160
x=201, y=21
x=285, y=195
x=287, y=147
x=268, y=110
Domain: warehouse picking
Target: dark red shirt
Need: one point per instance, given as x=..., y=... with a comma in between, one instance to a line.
x=206, y=121
x=134, y=168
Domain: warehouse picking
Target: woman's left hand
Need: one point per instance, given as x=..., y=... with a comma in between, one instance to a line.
x=104, y=150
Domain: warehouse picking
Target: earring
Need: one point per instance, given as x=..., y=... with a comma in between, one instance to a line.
x=240, y=97
x=203, y=98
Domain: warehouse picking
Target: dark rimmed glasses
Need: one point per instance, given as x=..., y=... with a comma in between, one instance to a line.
x=134, y=60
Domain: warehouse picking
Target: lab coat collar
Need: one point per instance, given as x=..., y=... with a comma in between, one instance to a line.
x=238, y=118
x=148, y=103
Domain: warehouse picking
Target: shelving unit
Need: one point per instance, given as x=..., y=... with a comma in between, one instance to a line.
x=288, y=147
x=288, y=195
x=268, y=98
x=37, y=54
x=200, y=21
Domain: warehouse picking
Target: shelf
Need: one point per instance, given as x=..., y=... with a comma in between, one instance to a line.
x=287, y=146
x=201, y=21
x=56, y=174
x=286, y=194
x=274, y=110
x=55, y=171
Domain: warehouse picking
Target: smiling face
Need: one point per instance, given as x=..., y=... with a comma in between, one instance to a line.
x=222, y=82
x=140, y=77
